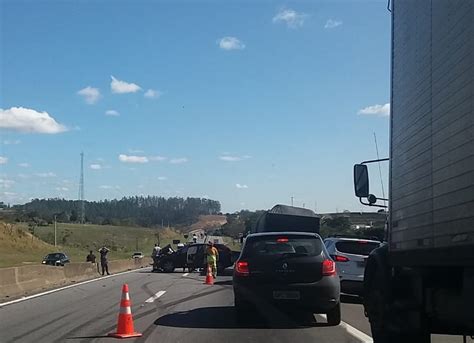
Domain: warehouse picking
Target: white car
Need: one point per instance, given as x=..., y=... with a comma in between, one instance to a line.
x=138, y=254
x=350, y=255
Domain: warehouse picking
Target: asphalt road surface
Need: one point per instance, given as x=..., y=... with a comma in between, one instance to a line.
x=174, y=308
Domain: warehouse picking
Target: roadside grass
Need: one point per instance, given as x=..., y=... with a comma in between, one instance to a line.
x=76, y=240
x=19, y=247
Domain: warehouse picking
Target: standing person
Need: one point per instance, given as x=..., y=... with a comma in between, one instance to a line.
x=104, y=263
x=90, y=257
x=154, y=255
x=212, y=258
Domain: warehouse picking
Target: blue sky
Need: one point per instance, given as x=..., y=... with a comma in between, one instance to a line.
x=246, y=103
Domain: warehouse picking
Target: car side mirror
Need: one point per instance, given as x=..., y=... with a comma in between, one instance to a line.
x=361, y=181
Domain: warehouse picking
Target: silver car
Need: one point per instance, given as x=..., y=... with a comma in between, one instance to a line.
x=350, y=255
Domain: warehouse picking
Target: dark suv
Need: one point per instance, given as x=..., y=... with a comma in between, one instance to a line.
x=56, y=259
x=287, y=269
x=192, y=256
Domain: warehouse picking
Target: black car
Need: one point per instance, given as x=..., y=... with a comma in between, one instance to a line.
x=192, y=256
x=56, y=259
x=290, y=270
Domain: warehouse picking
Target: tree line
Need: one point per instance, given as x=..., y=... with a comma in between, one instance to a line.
x=132, y=211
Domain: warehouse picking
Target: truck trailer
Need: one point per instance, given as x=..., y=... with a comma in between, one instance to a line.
x=422, y=281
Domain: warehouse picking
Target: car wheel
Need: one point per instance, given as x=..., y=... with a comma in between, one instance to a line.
x=168, y=267
x=334, y=316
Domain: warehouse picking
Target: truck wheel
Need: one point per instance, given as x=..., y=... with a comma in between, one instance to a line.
x=334, y=316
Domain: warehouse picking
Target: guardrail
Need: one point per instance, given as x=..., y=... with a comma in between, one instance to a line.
x=26, y=280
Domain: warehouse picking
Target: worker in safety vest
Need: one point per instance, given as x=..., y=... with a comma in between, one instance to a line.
x=212, y=258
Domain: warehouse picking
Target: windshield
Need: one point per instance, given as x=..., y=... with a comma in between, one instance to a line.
x=282, y=245
x=356, y=247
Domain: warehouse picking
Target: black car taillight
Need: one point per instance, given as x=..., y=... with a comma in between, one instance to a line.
x=242, y=268
x=329, y=268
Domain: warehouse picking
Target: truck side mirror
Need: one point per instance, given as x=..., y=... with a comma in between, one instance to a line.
x=361, y=181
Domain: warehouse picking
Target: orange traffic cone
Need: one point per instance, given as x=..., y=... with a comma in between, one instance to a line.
x=209, y=277
x=125, y=327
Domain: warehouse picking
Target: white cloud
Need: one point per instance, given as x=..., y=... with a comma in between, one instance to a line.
x=133, y=159
x=136, y=151
x=5, y=183
x=95, y=166
x=290, y=17
x=179, y=160
x=230, y=158
x=24, y=165
x=332, y=23
x=238, y=185
x=9, y=194
x=152, y=94
x=157, y=158
x=230, y=43
x=162, y=178
x=90, y=94
x=47, y=174
x=376, y=110
x=113, y=113
x=11, y=142
x=3, y=160
x=23, y=176
x=121, y=87
x=64, y=189
x=109, y=187
x=105, y=187
x=28, y=120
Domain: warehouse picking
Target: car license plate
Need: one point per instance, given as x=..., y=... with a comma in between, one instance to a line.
x=286, y=295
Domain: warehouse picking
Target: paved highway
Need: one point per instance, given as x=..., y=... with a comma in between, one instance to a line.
x=174, y=308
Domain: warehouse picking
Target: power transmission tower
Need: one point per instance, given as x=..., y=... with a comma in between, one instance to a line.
x=81, y=192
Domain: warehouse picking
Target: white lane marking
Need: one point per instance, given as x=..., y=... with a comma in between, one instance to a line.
x=65, y=287
x=185, y=274
x=156, y=296
x=364, y=338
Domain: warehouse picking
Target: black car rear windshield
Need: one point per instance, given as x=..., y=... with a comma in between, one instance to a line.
x=283, y=244
x=356, y=247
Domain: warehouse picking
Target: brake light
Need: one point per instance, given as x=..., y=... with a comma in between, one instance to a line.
x=339, y=258
x=362, y=242
x=282, y=240
x=242, y=268
x=329, y=268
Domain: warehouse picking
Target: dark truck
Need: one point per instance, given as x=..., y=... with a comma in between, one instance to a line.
x=287, y=218
x=422, y=280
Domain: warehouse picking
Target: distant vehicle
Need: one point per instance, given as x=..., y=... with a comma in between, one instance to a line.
x=138, y=254
x=289, y=269
x=192, y=256
x=287, y=218
x=56, y=259
x=350, y=255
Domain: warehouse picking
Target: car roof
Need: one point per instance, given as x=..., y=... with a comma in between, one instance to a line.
x=351, y=239
x=283, y=233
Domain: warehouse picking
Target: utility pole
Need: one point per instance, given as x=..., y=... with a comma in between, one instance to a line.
x=292, y=201
x=55, y=232
x=81, y=192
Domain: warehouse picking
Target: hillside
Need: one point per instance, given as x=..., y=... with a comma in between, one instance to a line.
x=19, y=247
x=207, y=222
